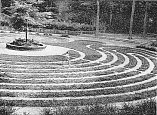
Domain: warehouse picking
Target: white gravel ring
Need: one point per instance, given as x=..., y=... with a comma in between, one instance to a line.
x=82, y=97
x=49, y=50
x=66, y=84
x=113, y=61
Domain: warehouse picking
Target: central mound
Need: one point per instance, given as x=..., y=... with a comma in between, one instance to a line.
x=25, y=44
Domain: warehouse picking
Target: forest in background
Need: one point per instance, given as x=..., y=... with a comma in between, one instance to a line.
x=78, y=15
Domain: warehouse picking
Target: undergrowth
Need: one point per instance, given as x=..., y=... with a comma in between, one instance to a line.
x=147, y=107
x=142, y=108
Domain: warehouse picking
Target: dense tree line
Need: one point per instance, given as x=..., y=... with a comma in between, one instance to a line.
x=114, y=15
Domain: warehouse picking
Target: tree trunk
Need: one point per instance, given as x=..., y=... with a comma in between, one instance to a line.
x=111, y=15
x=0, y=12
x=131, y=20
x=145, y=20
x=26, y=31
x=97, y=19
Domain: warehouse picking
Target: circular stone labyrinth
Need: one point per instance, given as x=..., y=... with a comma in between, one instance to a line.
x=90, y=73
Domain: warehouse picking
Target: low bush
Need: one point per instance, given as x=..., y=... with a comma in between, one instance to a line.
x=65, y=35
x=152, y=46
x=69, y=26
x=154, y=43
x=4, y=110
x=145, y=108
x=142, y=108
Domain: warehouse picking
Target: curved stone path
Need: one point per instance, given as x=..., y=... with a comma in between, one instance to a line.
x=90, y=73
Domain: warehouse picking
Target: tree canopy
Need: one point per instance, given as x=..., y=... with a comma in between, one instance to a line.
x=115, y=15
